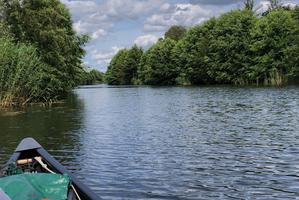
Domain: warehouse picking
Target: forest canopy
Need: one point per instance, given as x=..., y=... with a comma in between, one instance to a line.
x=241, y=47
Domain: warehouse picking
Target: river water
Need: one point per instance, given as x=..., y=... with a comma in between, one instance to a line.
x=170, y=142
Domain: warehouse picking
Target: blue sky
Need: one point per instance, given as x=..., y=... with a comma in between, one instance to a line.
x=116, y=24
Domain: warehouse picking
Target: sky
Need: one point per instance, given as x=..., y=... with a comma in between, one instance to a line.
x=117, y=24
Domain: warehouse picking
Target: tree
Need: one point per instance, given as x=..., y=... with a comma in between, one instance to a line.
x=115, y=71
x=130, y=65
x=236, y=48
x=229, y=51
x=123, y=66
x=249, y=4
x=273, y=39
x=274, y=4
x=175, y=32
x=293, y=58
x=156, y=66
x=91, y=77
x=48, y=25
x=191, y=54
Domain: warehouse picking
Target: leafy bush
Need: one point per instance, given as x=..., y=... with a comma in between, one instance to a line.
x=23, y=77
x=41, y=54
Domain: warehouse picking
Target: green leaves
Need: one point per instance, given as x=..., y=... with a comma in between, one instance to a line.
x=175, y=33
x=123, y=67
x=191, y=54
x=272, y=43
x=47, y=26
x=157, y=67
x=91, y=77
x=23, y=76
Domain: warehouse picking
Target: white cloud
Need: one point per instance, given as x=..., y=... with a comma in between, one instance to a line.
x=98, y=34
x=289, y=4
x=79, y=27
x=130, y=8
x=105, y=57
x=263, y=6
x=146, y=40
x=165, y=7
x=181, y=14
x=81, y=8
x=89, y=15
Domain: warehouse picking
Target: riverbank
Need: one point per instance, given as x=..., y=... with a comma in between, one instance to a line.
x=240, y=47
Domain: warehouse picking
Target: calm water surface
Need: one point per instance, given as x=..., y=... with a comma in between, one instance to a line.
x=170, y=143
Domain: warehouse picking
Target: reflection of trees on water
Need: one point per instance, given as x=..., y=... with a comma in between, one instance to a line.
x=55, y=127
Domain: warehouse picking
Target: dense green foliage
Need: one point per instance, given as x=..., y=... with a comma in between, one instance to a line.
x=191, y=54
x=229, y=47
x=272, y=44
x=176, y=32
x=42, y=30
x=293, y=60
x=48, y=25
x=91, y=77
x=156, y=66
x=123, y=67
x=239, y=47
x=23, y=76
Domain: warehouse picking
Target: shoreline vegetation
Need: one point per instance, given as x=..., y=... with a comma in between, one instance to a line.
x=240, y=47
x=41, y=55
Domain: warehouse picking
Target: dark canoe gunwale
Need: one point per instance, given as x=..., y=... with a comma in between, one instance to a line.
x=30, y=145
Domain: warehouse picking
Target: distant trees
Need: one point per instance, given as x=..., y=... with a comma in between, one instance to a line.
x=123, y=67
x=192, y=54
x=239, y=47
x=156, y=66
x=229, y=47
x=114, y=74
x=131, y=64
x=175, y=32
x=272, y=43
x=293, y=58
x=91, y=77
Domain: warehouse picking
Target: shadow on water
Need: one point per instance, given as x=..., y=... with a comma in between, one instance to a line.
x=55, y=127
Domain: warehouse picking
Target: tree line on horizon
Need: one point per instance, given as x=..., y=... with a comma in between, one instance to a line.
x=240, y=47
x=41, y=55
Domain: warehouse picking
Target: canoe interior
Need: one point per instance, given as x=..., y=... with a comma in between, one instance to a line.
x=35, y=150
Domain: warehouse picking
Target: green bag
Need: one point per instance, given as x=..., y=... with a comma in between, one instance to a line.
x=36, y=186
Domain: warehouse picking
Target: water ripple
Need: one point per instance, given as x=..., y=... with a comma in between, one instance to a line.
x=172, y=143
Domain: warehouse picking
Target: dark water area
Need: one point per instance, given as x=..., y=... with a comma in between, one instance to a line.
x=170, y=142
